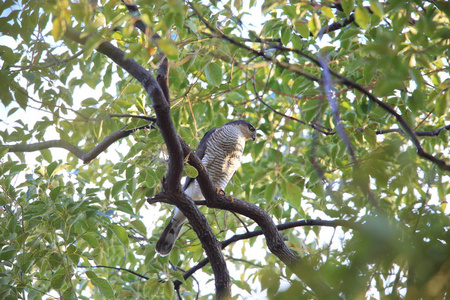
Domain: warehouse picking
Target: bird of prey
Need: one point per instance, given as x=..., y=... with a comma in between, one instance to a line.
x=220, y=150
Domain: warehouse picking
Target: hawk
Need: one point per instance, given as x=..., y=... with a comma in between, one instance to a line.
x=220, y=150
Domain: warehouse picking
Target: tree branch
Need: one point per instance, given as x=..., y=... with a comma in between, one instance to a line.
x=442, y=164
x=430, y=133
x=342, y=80
x=255, y=233
x=327, y=84
x=118, y=269
x=261, y=53
x=315, y=126
x=171, y=185
x=336, y=25
x=86, y=157
x=274, y=240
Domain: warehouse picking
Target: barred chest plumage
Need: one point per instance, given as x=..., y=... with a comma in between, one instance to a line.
x=223, y=155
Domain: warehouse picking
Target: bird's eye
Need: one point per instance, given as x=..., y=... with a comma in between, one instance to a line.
x=252, y=129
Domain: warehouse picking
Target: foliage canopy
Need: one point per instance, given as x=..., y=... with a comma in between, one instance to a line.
x=336, y=91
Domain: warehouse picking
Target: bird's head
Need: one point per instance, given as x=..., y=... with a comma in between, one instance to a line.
x=247, y=129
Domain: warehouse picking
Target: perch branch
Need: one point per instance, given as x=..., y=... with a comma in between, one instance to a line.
x=171, y=184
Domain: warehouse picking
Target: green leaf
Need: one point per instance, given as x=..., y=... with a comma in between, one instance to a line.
x=270, y=192
x=213, y=74
x=8, y=252
x=121, y=233
x=348, y=6
x=129, y=174
x=47, y=155
x=362, y=17
x=55, y=192
x=58, y=279
x=140, y=227
x=124, y=206
x=58, y=168
x=104, y=287
x=21, y=97
x=286, y=32
x=314, y=24
x=293, y=194
x=91, y=274
x=416, y=101
x=73, y=253
x=302, y=28
x=443, y=103
x=3, y=151
x=190, y=171
x=51, y=167
x=169, y=289
x=91, y=44
x=117, y=187
x=167, y=46
x=91, y=238
x=89, y=102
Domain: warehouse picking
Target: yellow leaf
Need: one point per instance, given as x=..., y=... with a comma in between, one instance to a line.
x=362, y=17
x=376, y=7
x=327, y=11
x=314, y=24
x=59, y=27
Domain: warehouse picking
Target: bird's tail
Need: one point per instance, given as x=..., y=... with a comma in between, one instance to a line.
x=170, y=234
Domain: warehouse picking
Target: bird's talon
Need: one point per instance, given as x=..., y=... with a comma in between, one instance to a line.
x=220, y=191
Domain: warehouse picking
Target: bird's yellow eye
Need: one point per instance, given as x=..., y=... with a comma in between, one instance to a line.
x=252, y=129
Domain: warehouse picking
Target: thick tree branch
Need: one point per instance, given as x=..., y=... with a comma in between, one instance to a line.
x=162, y=110
x=171, y=185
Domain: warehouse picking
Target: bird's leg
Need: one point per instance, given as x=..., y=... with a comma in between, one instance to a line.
x=222, y=192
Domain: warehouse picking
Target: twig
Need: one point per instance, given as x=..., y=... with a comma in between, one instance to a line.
x=117, y=269
x=430, y=133
x=315, y=126
x=56, y=62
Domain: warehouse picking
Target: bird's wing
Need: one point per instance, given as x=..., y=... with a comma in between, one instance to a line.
x=200, y=151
